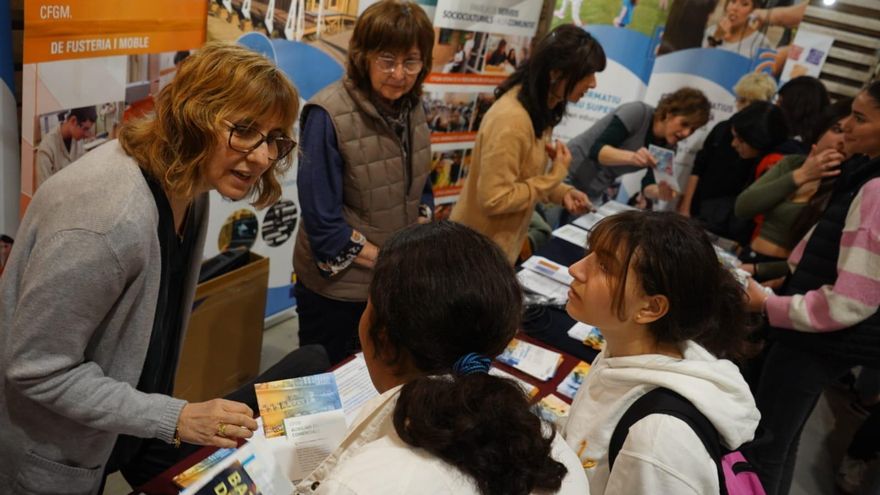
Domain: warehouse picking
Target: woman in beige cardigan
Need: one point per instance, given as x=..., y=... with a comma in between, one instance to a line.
x=515, y=164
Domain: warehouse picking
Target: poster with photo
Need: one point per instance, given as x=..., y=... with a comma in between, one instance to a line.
x=629, y=32
x=709, y=45
x=88, y=65
x=477, y=45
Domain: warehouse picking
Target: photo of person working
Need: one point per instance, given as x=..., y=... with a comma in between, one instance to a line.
x=64, y=144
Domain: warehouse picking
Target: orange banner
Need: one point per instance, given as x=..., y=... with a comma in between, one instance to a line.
x=64, y=30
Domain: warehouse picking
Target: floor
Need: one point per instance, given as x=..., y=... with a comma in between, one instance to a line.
x=823, y=443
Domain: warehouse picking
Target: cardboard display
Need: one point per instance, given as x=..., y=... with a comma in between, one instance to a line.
x=221, y=350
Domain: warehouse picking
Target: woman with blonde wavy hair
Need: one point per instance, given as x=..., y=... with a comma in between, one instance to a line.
x=97, y=293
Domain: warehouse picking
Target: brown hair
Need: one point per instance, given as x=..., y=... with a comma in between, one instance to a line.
x=687, y=102
x=670, y=255
x=222, y=81
x=393, y=26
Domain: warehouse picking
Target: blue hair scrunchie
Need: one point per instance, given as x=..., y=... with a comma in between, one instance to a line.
x=471, y=363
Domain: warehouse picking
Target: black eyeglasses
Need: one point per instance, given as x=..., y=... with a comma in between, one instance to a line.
x=244, y=139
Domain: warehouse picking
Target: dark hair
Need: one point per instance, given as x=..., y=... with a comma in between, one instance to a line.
x=567, y=49
x=873, y=90
x=393, y=26
x=810, y=214
x=804, y=99
x=672, y=256
x=428, y=318
x=82, y=114
x=761, y=125
x=686, y=102
x=5, y=238
x=180, y=56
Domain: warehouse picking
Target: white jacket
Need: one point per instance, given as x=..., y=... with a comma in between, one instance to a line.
x=661, y=454
x=372, y=459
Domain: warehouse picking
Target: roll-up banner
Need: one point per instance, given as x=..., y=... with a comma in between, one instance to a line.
x=9, y=159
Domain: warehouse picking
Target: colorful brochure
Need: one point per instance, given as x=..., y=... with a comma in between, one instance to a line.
x=574, y=380
x=588, y=334
x=250, y=469
x=308, y=412
x=531, y=359
x=194, y=473
x=552, y=409
x=664, y=172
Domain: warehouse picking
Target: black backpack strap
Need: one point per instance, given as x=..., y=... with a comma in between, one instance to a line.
x=665, y=401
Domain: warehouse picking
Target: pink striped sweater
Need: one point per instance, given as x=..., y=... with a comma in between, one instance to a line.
x=855, y=295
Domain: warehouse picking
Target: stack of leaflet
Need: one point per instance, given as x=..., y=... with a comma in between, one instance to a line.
x=531, y=359
x=526, y=387
x=574, y=380
x=588, y=334
x=552, y=409
x=250, y=469
x=572, y=234
x=198, y=471
x=546, y=278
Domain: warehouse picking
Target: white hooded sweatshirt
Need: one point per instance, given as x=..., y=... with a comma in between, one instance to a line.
x=661, y=454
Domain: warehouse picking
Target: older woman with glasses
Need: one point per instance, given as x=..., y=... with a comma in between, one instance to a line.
x=95, y=299
x=364, y=170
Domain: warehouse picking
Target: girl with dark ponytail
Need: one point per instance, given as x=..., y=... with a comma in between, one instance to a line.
x=672, y=316
x=443, y=300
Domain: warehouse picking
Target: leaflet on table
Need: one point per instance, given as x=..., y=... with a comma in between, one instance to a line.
x=307, y=412
x=552, y=291
x=589, y=220
x=664, y=172
x=572, y=234
x=250, y=469
x=588, y=334
x=198, y=470
x=527, y=387
x=613, y=207
x=542, y=265
x=531, y=359
x=570, y=385
x=552, y=409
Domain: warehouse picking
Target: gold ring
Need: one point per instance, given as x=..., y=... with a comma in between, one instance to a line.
x=221, y=429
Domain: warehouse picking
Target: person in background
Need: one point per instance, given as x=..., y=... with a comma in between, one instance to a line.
x=672, y=317
x=514, y=163
x=736, y=31
x=757, y=131
x=803, y=101
x=825, y=319
x=442, y=423
x=97, y=293
x=718, y=174
x=6, y=243
x=364, y=170
x=499, y=55
x=618, y=143
x=785, y=196
x=64, y=144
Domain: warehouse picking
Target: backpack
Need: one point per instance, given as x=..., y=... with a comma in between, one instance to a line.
x=735, y=475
